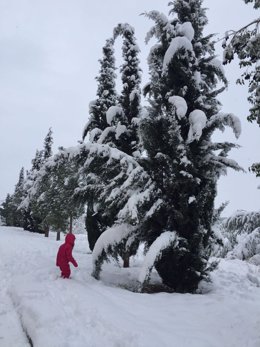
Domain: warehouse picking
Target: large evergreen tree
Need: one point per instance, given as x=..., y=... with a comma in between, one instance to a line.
x=130, y=96
x=106, y=98
x=176, y=132
x=119, y=120
x=173, y=210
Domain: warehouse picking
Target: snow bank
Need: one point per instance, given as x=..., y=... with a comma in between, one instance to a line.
x=82, y=312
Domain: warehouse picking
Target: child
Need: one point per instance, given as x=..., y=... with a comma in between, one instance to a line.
x=64, y=256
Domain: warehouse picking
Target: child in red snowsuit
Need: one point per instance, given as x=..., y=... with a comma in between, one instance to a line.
x=64, y=256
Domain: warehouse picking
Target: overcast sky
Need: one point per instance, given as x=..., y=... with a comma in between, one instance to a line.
x=49, y=51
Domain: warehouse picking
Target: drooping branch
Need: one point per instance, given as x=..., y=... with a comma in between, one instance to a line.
x=236, y=32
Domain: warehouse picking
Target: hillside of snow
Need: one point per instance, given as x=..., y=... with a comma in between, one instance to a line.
x=38, y=308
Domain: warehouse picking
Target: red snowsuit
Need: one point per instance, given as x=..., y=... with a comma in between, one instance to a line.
x=64, y=256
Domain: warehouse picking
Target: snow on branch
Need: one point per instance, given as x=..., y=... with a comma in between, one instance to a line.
x=176, y=45
x=186, y=29
x=155, y=207
x=123, y=29
x=161, y=22
x=215, y=146
x=107, y=243
x=130, y=186
x=138, y=198
x=112, y=113
x=247, y=245
x=242, y=221
x=96, y=149
x=198, y=120
x=165, y=240
x=94, y=134
x=180, y=105
x=217, y=65
x=223, y=163
x=220, y=120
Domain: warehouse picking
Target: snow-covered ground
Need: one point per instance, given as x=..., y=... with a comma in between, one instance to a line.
x=83, y=312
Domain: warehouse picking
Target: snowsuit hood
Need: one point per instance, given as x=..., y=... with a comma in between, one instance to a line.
x=70, y=239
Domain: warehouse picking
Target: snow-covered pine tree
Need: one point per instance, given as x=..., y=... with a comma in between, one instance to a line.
x=11, y=215
x=7, y=211
x=106, y=98
x=242, y=222
x=29, y=206
x=242, y=229
x=37, y=160
x=217, y=219
x=182, y=159
x=130, y=96
x=53, y=193
x=36, y=211
x=17, y=198
x=31, y=221
x=10, y=212
x=106, y=94
x=47, y=147
x=122, y=123
x=126, y=118
x=121, y=118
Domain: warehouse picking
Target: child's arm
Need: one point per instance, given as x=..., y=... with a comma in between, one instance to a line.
x=70, y=257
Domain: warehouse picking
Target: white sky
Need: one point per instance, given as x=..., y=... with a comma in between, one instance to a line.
x=48, y=63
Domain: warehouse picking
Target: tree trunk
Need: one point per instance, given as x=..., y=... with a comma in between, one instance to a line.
x=93, y=226
x=47, y=231
x=177, y=270
x=126, y=260
x=58, y=236
x=70, y=230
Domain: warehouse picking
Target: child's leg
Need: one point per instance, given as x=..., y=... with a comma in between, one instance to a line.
x=65, y=271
